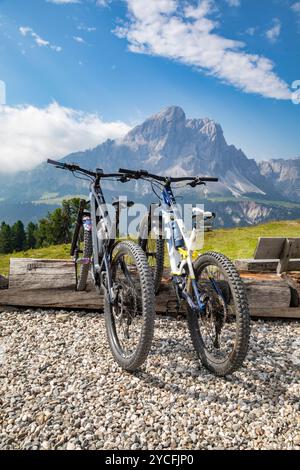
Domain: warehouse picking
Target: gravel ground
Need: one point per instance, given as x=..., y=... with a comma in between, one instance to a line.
x=60, y=389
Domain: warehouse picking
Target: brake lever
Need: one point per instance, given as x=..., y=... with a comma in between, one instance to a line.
x=124, y=179
x=195, y=183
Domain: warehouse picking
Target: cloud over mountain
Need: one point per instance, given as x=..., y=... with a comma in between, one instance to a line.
x=29, y=135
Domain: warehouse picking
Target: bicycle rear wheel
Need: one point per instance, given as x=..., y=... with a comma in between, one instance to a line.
x=82, y=248
x=221, y=333
x=130, y=317
x=154, y=248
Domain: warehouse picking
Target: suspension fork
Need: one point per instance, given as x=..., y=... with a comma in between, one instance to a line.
x=217, y=288
x=106, y=261
x=192, y=287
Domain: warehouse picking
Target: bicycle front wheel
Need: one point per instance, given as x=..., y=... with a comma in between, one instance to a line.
x=130, y=317
x=220, y=334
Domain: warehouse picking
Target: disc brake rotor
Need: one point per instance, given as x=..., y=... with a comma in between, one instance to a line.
x=125, y=306
x=215, y=311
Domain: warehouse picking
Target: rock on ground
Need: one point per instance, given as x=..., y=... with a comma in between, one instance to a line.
x=61, y=389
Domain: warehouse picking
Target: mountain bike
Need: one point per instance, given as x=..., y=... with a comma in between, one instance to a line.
x=120, y=268
x=217, y=307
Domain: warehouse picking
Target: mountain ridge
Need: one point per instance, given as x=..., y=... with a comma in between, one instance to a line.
x=170, y=143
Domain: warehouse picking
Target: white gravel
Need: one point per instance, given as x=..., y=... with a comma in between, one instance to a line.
x=61, y=389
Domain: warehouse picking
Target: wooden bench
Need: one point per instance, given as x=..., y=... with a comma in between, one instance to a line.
x=42, y=283
x=278, y=255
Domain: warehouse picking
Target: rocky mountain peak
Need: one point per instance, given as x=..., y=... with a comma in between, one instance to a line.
x=157, y=127
x=170, y=114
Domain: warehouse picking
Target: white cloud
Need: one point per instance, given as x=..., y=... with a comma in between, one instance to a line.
x=25, y=31
x=234, y=3
x=186, y=34
x=296, y=7
x=89, y=29
x=29, y=135
x=100, y=3
x=62, y=2
x=79, y=39
x=103, y=3
x=251, y=31
x=274, y=32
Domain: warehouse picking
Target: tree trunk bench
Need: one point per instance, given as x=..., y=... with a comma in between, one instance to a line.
x=43, y=283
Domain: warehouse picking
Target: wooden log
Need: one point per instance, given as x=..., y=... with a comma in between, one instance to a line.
x=293, y=280
x=27, y=273
x=68, y=299
x=63, y=298
x=51, y=284
x=268, y=294
x=3, y=282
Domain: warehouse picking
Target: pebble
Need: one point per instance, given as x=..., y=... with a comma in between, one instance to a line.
x=60, y=388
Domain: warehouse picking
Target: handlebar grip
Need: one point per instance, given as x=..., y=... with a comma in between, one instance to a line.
x=210, y=180
x=54, y=162
x=127, y=172
x=133, y=173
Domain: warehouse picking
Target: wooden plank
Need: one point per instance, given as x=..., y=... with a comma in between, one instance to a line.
x=269, y=248
x=264, y=265
x=285, y=256
x=295, y=253
x=272, y=248
x=285, y=313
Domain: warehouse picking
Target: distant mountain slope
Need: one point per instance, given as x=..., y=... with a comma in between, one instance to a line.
x=284, y=175
x=169, y=143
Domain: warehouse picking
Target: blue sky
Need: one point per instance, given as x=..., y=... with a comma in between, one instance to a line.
x=121, y=61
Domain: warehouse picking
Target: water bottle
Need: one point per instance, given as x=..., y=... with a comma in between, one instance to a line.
x=178, y=240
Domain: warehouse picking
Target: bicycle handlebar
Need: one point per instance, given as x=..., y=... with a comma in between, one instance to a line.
x=73, y=167
x=194, y=180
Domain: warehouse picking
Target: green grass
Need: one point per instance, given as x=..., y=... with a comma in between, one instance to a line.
x=282, y=204
x=236, y=243
x=51, y=252
x=240, y=243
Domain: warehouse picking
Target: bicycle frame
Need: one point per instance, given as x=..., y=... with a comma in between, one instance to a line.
x=98, y=220
x=180, y=258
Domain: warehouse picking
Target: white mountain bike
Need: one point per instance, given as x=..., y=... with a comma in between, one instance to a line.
x=217, y=308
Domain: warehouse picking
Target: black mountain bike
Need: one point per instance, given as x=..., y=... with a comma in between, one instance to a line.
x=217, y=307
x=120, y=268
